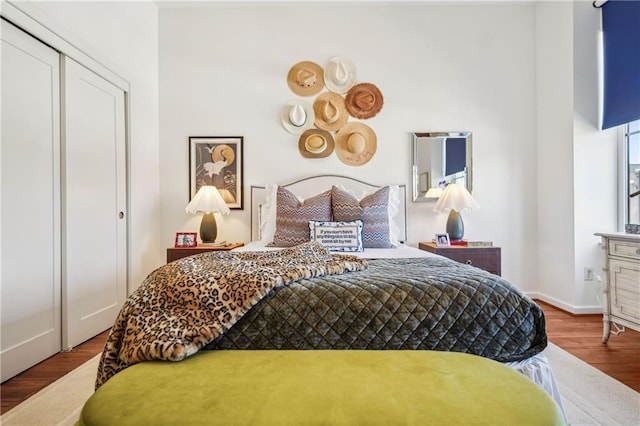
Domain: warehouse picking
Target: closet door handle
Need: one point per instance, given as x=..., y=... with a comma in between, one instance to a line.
x=121, y=215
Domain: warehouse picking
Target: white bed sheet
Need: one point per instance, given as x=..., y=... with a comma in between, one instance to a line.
x=536, y=368
x=401, y=251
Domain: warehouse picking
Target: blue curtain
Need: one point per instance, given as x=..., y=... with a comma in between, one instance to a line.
x=621, y=54
x=455, y=155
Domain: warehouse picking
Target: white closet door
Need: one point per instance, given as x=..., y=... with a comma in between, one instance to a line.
x=30, y=232
x=94, y=200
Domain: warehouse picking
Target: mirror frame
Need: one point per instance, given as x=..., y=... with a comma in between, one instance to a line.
x=421, y=137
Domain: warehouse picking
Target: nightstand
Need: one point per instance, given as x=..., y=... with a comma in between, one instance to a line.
x=175, y=253
x=487, y=258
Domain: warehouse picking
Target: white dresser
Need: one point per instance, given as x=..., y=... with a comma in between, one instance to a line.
x=622, y=282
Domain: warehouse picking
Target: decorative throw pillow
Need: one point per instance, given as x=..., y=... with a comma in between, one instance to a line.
x=394, y=210
x=293, y=216
x=373, y=210
x=337, y=236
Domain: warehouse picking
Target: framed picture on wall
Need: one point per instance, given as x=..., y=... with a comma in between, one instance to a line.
x=217, y=161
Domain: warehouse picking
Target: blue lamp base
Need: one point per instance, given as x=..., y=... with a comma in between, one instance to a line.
x=455, y=227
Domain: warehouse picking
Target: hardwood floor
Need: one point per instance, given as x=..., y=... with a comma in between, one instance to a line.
x=28, y=383
x=579, y=335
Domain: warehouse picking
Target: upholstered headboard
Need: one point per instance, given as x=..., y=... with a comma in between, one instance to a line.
x=312, y=185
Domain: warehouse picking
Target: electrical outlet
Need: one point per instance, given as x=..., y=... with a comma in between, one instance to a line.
x=588, y=274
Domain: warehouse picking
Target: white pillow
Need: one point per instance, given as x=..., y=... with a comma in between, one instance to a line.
x=394, y=203
x=268, y=214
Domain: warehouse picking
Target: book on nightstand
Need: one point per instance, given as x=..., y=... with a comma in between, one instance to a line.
x=479, y=244
x=465, y=243
x=216, y=244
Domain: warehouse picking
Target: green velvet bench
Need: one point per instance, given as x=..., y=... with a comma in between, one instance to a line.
x=323, y=387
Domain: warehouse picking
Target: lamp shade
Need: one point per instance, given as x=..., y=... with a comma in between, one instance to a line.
x=207, y=200
x=456, y=197
x=434, y=192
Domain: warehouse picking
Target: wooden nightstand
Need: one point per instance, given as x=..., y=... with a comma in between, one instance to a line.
x=175, y=253
x=487, y=258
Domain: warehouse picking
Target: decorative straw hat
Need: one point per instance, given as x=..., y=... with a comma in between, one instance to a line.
x=364, y=100
x=356, y=143
x=340, y=75
x=330, y=111
x=316, y=143
x=306, y=78
x=297, y=116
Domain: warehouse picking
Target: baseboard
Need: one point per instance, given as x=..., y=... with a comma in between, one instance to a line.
x=577, y=310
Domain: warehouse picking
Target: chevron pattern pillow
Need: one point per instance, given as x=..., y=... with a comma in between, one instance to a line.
x=373, y=210
x=293, y=216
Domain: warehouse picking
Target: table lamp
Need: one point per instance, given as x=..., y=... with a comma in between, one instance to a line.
x=208, y=201
x=455, y=198
x=434, y=192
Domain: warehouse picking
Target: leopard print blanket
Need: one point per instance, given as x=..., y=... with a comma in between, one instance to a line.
x=182, y=306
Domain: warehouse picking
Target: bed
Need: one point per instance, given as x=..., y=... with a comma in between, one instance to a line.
x=301, y=295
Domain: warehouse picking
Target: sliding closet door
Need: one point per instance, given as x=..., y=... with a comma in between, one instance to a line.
x=94, y=200
x=30, y=233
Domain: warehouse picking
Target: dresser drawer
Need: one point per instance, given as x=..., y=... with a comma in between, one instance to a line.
x=486, y=259
x=624, y=277
x=629, y=249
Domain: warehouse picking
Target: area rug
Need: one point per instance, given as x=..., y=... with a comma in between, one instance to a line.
x=589, y=396
x=59, y=403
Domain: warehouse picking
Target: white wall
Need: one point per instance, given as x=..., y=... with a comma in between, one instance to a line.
x=595, y=161
x=555, y=174
x=459, y=68
x=123, y=36
x=576, y=162
x=519, y=75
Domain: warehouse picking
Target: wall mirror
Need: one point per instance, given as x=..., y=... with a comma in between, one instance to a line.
x=440, y=158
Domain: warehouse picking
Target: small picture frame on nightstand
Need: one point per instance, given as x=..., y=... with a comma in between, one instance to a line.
x=186, y=239
x=442, y=240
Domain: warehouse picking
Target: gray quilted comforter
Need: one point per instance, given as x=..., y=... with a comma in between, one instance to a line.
x=422, y=303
